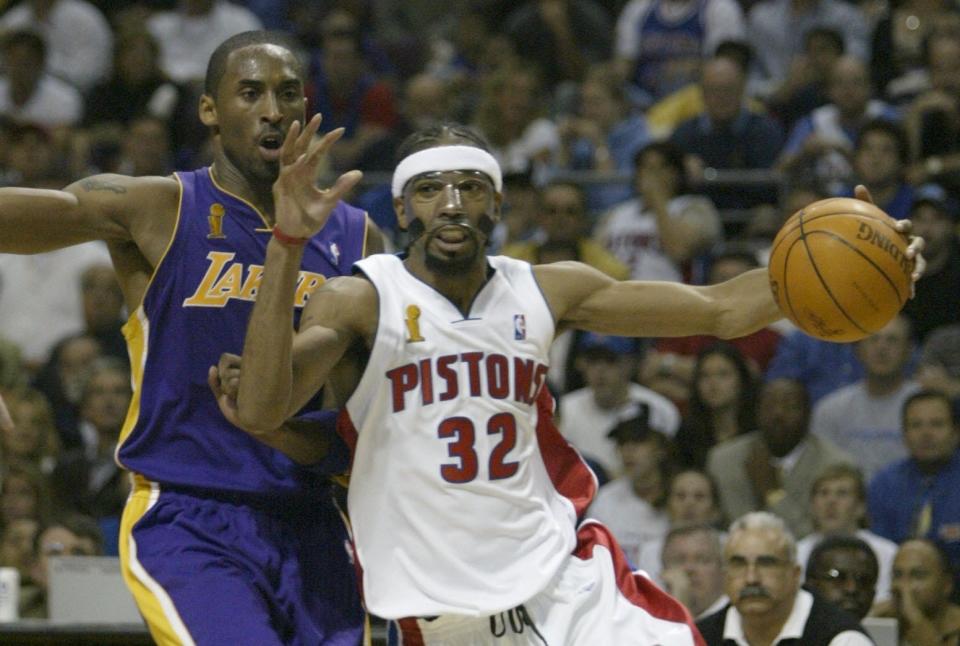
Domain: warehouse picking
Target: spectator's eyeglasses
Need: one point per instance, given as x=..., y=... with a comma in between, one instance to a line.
x=842, y=576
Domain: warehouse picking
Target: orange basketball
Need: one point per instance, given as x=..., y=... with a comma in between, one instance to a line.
x=838, y=269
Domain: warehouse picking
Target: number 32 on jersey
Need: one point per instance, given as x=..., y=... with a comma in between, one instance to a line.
x=463, y=447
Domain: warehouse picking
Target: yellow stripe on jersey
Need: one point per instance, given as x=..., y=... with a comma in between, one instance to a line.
x=166, y=626
x=137, y=333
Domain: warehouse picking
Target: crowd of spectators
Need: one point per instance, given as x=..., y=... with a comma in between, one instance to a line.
x=652, y=139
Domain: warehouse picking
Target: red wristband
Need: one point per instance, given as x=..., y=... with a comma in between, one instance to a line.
x=289, y=241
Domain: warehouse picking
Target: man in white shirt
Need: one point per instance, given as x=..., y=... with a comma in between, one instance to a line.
x=767, y=605
x=28, y=94
x=189, y=34
x=863, y=418
x=588, y=414
x=78, y=35
x=838, y=505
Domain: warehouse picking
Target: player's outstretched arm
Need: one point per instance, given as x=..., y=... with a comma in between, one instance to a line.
x=584, y=298
x=101, y=207
x=266, y=395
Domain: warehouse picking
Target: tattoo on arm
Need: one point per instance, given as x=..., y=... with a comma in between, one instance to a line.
x=100, y=185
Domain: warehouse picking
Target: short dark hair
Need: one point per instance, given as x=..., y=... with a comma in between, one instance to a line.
x=671, y=153
x=928, y=393
x=218, y=60
x=737, y=51
x=837, y=542
x=432, y=135
x=892, y=130
x=827, y=33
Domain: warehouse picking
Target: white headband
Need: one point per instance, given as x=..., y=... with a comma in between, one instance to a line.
x=444, y=158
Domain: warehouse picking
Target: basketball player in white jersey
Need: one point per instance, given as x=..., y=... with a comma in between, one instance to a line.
x=464, y=498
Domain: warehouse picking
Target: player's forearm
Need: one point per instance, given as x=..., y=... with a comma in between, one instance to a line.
x=745, y=304
x=33, y=221
x=267, y=377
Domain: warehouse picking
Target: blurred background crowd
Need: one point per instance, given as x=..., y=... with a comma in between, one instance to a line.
x=653, y=139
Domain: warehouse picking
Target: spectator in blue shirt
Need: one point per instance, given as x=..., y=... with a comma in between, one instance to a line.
x=919, y=496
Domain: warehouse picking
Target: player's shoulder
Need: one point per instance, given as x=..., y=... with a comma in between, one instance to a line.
x=149, y=192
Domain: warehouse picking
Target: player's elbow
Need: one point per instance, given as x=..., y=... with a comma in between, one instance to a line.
x=261, y=423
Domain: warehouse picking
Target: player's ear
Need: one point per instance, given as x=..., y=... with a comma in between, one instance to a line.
x=497, y=206
x=208, y=111
x=400, y=209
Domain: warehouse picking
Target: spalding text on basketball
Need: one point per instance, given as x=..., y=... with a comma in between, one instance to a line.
x=867, y=233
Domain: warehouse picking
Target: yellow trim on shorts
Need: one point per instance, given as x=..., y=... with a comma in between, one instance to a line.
x=162, y=629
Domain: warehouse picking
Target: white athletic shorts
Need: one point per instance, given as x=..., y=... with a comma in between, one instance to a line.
x=595, y=600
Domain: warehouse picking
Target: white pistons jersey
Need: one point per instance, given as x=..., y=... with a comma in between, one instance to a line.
x=463, y=495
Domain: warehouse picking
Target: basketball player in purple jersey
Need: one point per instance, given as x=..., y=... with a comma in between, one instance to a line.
x=464, y=499
x=224, y=540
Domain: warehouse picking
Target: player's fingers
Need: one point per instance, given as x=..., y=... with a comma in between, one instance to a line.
x=6, y=422
x=343, y=185
x=309, y=132
x=919, y=267
x=229, y=361
x=904, y=226
x=323, y=144
x=213, y=380
x=288, y=150
x=861, y=192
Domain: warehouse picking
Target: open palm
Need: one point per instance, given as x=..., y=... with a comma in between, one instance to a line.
x=301, y=207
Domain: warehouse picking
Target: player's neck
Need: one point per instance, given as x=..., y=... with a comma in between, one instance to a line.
x=233, y=181
x=460, y=288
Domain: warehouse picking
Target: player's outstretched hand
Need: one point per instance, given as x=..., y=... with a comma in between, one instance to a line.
x=6, y=422
x=224, y=381
x=914, y=249
x=301, y=208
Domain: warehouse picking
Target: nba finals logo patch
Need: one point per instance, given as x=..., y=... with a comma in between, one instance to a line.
x=215, y=219
x=413, y=324
x=519, y=327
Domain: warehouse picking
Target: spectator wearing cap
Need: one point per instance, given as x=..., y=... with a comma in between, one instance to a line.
x=587, y=415
x=774, y=468
x=29, y=94
x=632, y=505
x=937, y=298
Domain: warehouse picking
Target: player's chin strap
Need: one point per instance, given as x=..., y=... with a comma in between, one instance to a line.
x=417, y=228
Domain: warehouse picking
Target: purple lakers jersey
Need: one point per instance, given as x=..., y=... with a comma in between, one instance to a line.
x=195, y=308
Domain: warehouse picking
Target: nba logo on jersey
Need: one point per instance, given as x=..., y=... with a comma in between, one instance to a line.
x=519, y=327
